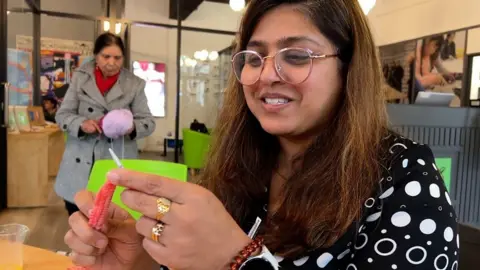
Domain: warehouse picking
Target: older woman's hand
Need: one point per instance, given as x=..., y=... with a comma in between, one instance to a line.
x=198, y=232
x=90, y=127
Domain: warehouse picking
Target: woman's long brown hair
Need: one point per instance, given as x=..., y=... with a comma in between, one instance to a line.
x=339, y=170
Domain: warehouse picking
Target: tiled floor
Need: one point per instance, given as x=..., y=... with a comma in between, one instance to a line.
x=49, y=224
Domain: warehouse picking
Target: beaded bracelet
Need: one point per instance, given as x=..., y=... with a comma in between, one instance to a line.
x=246, y=252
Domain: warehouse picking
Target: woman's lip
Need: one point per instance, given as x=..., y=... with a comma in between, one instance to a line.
x=274, y=95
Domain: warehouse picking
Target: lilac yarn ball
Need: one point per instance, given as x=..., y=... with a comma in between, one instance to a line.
x=117, y=123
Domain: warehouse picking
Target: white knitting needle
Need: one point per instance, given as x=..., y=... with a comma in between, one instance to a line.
x=115, y=158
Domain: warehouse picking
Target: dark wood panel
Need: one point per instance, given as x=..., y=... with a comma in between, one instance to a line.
x=3, y=107
x=187, y=7
x=219, y=1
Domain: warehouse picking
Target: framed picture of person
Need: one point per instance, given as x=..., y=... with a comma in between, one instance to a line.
x=439, y=65
x=36, y=116
x=154, y=75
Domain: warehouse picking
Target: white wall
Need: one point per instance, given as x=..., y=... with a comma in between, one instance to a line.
x=54, y=27
x=394, y=20
x=148, y=11
x=473, y=44
x=83, y=7
x=208, y=15
x=16, y=4
x=214, y=16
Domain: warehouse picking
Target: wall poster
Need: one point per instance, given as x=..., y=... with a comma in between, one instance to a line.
x=154, y=75
x=444, y=166
x=397, y=65
x=439, y=68
x=59, y=59
x=19, y=75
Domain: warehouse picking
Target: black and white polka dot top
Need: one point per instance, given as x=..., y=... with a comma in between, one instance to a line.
x=409, y=224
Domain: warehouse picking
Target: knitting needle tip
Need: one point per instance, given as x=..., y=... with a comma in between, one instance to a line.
x=115, y=158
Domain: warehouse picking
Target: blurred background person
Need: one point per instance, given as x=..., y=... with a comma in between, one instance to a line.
x=99, y=87
x=427, y=60
x=449, y=47
x=50, y=107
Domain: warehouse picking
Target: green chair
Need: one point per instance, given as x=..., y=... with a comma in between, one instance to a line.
x=195, y=148
x=102, y=167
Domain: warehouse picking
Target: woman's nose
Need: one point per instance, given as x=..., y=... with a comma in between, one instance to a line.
x=269, y=73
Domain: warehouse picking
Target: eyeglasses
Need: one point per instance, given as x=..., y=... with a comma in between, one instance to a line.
x=293, y=65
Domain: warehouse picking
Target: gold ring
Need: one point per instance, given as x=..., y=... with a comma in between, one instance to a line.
x=163, y=206
x=157, y=231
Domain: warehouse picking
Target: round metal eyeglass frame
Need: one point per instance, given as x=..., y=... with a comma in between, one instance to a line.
x=311, y=55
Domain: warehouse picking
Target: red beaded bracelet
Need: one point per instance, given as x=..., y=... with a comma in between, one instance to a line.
x=246, y=252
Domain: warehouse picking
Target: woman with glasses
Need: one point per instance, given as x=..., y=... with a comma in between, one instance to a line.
x=303, y=172
x=99, y=87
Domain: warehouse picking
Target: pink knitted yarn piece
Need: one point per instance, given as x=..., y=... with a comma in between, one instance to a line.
x=103, y=199
x=99, y=213
x=117, y=123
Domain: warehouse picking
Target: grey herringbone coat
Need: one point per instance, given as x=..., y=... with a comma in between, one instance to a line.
x=84, y=101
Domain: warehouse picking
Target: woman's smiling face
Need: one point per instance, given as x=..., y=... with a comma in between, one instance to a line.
x=285, y=109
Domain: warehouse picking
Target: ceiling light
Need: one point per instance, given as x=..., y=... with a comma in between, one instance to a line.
x=118, y=28
x=213, y=56
x=8, y=12
x=367, y=5
x=237, y=5
x=204, y=55
x=197, y=55
x=190, y=62
x=106, y=26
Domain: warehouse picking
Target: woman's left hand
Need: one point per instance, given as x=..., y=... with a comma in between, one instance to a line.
x=131, y=129
x=198, y=231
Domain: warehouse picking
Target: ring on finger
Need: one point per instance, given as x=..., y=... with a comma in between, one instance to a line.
x=163, y=206
x=157, y=231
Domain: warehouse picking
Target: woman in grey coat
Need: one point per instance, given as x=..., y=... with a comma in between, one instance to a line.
x=97, y=88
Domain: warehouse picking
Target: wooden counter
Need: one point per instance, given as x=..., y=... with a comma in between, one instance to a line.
x=40, y=259
x=33, y=162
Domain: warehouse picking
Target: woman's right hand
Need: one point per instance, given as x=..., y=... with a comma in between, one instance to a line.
x=90, y=127
x=118, y=246
x=440, y=80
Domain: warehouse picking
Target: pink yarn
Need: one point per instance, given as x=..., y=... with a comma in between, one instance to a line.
x=117, y=123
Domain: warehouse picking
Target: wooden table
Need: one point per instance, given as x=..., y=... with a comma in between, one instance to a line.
x=33, y=159
x=40, y=259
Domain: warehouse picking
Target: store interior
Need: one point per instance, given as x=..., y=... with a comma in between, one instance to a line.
x=184, y=53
